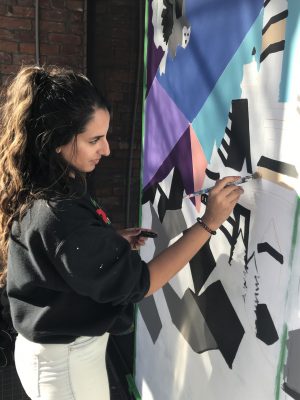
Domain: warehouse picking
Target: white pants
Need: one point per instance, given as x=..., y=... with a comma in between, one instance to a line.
x=74, y=371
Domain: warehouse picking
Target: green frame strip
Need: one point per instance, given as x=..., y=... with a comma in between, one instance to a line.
x=144, y=103
x=281, y=361
x=131, y=378
x=132, y=389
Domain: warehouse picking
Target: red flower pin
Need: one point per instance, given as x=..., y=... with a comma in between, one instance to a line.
x=103, y=215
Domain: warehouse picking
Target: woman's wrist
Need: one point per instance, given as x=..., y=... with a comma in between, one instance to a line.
x=206, y=226
x=210, y=222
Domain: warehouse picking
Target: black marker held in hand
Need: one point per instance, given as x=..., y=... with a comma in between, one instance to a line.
x=147, y=234
x=244, y=179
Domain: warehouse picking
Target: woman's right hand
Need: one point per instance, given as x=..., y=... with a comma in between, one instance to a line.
x=221, y=201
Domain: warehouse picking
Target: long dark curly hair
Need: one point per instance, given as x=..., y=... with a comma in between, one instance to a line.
x=42, y=109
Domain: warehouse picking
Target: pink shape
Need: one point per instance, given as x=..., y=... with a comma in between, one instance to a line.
x=199, y=165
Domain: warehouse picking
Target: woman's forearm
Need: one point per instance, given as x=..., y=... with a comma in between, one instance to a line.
x=163, y=267
x=221, y=201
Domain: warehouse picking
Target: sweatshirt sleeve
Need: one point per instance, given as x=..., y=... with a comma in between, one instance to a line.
x=97, y=262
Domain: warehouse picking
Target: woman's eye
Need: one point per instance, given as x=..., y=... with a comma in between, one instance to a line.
x=94, y=141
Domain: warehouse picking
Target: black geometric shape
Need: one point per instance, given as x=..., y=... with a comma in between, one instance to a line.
x=179, y=8
x=238, y=148
x=232, y=238
x=162, y=204
x=174, y=202
x=225, y=146
x=212, y=175
x=227, y=130
x=222, y=320
x=167, y=19
x=266, y=247
x=176, y=191
x=188, y=319
x=265, y=328
x=202, y=265
x=149, y=194
x=278, y=166
x=290, y=392
x=149, y=312
x=273, y=48
x=274, y=19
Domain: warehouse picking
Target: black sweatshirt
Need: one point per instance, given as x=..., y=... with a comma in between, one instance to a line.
x=70, y=274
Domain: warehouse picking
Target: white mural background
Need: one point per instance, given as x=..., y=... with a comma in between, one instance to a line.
x=228, y=325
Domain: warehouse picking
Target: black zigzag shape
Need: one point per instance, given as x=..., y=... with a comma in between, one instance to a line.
x=238, y=149
x=266, y=247
x=232, y=237
x=174, y=201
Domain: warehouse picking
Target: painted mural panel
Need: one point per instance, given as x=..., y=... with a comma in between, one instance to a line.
x=223, y=98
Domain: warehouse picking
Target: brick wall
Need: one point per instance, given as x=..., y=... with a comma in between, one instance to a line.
x=61, y=34
x=114, y=46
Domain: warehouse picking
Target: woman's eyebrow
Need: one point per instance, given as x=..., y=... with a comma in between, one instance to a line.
x=97, y=136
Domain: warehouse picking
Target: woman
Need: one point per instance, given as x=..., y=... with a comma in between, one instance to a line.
x=71, y=277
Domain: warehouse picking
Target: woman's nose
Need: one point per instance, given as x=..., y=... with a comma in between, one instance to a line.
x=105, y=149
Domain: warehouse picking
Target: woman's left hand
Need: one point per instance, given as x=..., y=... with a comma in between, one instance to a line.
x=131, y=235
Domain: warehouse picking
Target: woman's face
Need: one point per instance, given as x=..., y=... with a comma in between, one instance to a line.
x=90, y=145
